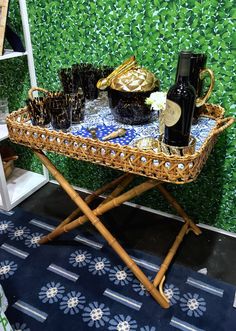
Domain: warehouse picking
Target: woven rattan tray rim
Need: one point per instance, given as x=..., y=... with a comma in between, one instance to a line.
x=21, y=132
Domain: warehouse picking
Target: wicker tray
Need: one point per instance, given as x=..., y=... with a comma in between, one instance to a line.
x=174, y=169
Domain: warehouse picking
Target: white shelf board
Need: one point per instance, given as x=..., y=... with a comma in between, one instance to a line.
x=21, y=184
x=9, y=54
x=3, y=132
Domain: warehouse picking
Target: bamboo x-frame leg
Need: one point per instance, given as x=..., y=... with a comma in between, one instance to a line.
x=113, y=200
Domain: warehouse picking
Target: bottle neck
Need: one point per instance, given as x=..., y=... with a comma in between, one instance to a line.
x=183, y=69
x=182, y=79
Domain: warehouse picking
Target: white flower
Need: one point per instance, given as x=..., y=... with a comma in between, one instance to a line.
x=157, y=100
x=193, y=305
x=5, y=226
x=72, y=303
x=120, y=275
x=99, y=266
x=80, y=258
x=172, y=293
x=33, y=240
x=96, y=314
x=51, y=293
x=7, y=269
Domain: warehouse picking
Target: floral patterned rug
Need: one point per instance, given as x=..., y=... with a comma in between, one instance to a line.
x=78, y=283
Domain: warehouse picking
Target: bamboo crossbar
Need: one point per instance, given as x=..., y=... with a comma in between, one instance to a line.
x=172, y=201
x=103, y=208
x=81, y=220
x=120, y=187
x=102, y=230
x=90, y=198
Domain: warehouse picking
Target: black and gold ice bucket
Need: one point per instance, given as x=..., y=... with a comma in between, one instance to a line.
x=128, y=87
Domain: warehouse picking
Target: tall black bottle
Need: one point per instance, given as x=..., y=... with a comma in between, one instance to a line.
x=180, y=105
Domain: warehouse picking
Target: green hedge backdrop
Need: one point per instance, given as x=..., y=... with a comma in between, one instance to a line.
x=107, y=32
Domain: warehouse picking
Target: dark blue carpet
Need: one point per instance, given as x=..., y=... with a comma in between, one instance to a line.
x=78, y=283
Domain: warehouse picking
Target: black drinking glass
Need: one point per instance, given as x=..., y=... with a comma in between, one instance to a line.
x=77, y=104
x=39, y=114
x=61, y=111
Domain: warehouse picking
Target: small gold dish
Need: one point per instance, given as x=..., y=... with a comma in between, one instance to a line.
x=177, y=150
x=147, y=143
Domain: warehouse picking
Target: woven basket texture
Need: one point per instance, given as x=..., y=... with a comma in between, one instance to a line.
x=174, y=169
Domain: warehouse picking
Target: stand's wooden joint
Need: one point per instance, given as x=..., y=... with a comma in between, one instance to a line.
x=112, y=241
x=65, y=229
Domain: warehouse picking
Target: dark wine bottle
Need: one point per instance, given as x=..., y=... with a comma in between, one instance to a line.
x=180, y=105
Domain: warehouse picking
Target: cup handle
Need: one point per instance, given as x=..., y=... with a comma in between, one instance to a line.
x=40, y=89
x=201, y=100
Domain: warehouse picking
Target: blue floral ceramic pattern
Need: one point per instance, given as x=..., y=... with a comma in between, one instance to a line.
x=122, y=323
x=104, y=130
x=193, y=304
x=5, y=226
x=7, y=269
x=19, y=233
x=72, y=303
x=120, y=275
x=33, y=240
x=80, y=258
x=96, y=314
x=105, y=123
x=51, y=293
x=99, y=266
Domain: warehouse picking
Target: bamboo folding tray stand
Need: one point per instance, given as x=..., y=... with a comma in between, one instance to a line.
x=131, y=160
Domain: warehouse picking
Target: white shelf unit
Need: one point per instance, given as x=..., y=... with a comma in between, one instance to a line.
x=22, y=183
x=9, y=54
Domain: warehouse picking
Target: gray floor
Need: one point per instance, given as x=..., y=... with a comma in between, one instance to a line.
x=149, y=232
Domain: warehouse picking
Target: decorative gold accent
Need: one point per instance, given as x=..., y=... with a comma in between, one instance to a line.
x=39, y=89
x=177, y=150
x=135, y=80
x=118, y=133
x=147, y=143
x=201, y=100
x=172, y=113
x=129, y=77
x=103, y=83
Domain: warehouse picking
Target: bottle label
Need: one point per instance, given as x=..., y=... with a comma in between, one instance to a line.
x=172, y=113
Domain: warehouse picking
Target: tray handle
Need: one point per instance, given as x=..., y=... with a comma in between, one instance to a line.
x=33, y=89
x=223, y=124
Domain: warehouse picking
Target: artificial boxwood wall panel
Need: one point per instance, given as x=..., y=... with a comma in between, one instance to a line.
x=107, y=32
